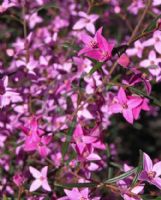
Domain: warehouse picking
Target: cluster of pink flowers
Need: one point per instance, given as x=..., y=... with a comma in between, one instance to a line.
x=72, y=72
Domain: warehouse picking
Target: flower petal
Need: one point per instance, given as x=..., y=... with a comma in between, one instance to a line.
x=128, y=115
x=157, y=182
x=157, y=168
x=35, y=185
x=122, y=96
x=44, y=171
x=147, y=163
x=35, y=173
x=45, y=185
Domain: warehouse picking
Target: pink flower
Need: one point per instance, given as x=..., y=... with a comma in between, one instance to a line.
x=124, y=60
x=137, y=50
x=103, y=49
x=155, y=40
x=156, y=2
x=143, y=106
x=40, y=179
x=151, y=172
x=33, y=20
x=34, y=140
x=7, y=4
x=18, y=179
x=129, y=193
x=125, y=106
x=86, y=21
x=137, y=79
x=7, y=94
x=152, y=63
x=75, y=194
x=90, y=43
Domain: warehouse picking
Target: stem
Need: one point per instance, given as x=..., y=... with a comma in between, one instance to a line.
x=25, y=33
x=20, y=191
x=140, y=22
x=131, y=40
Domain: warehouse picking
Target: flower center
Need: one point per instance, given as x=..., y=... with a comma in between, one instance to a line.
x=125, y=106
x=83, y=198
x=151, y=174
x=152, y=62
x=157, y=39
x=93, y=43
x=42, y=178
x=105, y=55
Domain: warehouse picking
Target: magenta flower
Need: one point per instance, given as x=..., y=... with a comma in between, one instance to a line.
x=124, y=60
x=40, y=179
x=90, y=42
x=104, y=51
x=34, y=140
x=125, y=106
x=151, y=172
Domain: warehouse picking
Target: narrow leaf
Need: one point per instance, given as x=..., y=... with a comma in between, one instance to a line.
x=69, y=136
x=78, y=185
x=140, y=167
x=122, y=176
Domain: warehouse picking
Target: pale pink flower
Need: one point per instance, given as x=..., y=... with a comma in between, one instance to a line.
x=151, y=173
x=152, y=63
x=154, y=41
x=7, y=94
x=156, y=2
x=129, y=193
x=86, y=21
x=137, y=50
x=40, y=179
x=76, y=194
x=7, y=4
x=33, y=20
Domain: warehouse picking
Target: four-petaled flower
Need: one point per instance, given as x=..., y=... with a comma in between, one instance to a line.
x=86, y=21
x=40, y=179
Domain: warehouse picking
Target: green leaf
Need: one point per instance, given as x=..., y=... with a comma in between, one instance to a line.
x=140, y=167
x=78, y=185
x=46, y=6
x=122, y=176
x=96, y=67
x=69, y=136
x=147, y=197
x=152, y=25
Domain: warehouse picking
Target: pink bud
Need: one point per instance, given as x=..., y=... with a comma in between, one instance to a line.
x=124, y=60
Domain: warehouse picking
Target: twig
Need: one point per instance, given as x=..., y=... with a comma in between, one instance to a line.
x=140, y=22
